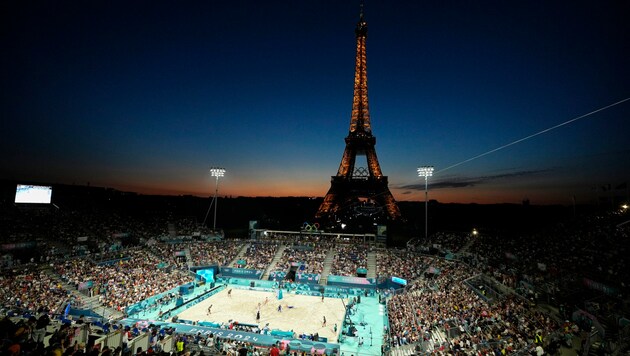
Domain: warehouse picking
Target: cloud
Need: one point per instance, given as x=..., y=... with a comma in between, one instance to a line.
x=463, y=182
x=455, y=184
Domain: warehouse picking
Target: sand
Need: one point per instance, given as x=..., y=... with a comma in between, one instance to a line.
x=305, y=316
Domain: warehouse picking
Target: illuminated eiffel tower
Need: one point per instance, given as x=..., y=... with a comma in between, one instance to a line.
x=356, y=191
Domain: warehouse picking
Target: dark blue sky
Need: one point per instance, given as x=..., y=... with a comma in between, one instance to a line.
x=147, y=95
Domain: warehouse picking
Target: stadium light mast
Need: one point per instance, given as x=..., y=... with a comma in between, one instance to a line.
x=216, y=172
x=426, y=172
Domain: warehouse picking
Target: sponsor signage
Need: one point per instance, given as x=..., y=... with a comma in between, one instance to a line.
x=307, y=278
x=398, y=280
x=241, y=273
x=348, y=281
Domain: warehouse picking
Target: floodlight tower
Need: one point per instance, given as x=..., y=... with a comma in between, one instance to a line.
x=426, y=172
x=216, y=172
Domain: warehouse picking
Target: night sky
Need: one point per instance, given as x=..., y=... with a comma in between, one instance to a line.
x=146, y=96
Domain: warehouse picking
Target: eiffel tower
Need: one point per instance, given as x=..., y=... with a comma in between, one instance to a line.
x=359, y=190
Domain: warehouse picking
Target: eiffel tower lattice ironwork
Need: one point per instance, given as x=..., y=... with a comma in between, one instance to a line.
x=353, y=185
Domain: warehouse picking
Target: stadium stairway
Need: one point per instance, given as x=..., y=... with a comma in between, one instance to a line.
x=274, y=262
x=438, y=337
x=91, y=303
x=67, y=286
x=189, y=261
x=404, y=350
x=239, y=255
x=172, y=232
x=371, y=264
x=467, y=246
x=328, y=261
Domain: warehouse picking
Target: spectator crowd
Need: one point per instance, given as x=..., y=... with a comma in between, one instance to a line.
x=116, y=264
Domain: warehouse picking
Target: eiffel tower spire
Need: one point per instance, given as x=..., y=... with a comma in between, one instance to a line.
x=360, y=109
x=353, y=184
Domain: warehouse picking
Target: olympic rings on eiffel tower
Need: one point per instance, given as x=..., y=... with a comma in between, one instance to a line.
x=309, y=227
x=361, y=172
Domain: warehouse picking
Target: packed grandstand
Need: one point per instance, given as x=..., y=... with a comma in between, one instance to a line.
x=565, y=288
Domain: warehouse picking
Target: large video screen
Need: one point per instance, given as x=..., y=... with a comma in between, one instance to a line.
x=33, y=194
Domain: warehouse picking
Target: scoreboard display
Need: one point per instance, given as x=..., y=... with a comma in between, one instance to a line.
x=33, y=194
